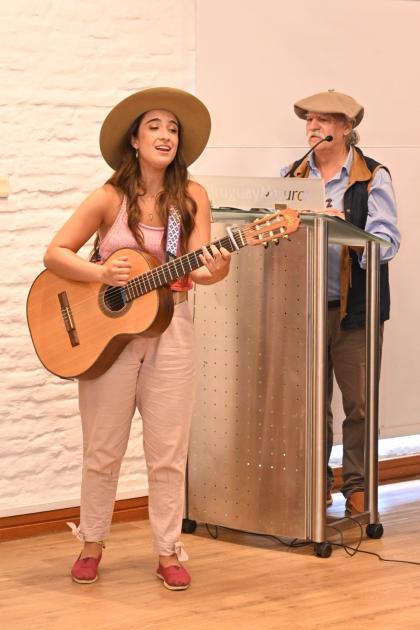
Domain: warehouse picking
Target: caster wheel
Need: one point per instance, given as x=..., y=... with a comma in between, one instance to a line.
x=323, y=550
x=188, y=526
x=375, y=530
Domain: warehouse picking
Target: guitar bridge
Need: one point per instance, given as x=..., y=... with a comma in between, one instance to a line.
x=68, y=319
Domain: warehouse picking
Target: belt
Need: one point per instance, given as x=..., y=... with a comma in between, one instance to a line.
x=179, y=296
x=334, y=304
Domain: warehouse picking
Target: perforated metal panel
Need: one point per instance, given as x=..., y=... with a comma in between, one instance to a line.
x=247, y=466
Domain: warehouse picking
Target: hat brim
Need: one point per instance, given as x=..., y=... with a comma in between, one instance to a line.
x=191, y=113
x=302, y=113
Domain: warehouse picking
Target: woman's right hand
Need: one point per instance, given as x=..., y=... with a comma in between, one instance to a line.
x=116, y=272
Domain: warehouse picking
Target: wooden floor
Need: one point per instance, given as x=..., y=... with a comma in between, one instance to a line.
x=239, y=582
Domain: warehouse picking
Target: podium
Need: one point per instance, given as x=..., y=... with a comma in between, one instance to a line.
x=257, y=459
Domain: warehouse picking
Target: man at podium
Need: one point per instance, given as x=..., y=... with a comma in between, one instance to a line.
x=357, y=189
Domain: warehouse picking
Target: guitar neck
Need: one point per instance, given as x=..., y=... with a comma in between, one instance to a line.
x=178, y=267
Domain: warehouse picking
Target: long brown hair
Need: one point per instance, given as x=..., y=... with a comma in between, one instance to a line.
x=128, y=179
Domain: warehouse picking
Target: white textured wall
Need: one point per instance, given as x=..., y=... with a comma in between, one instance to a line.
x=64, y=64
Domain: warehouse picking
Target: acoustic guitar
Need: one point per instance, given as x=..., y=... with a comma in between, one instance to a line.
x=79, y=328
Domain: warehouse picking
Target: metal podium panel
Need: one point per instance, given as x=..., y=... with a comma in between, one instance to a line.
x=248, y=460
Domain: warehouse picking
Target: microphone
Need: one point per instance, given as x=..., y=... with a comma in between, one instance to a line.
x=326, y=139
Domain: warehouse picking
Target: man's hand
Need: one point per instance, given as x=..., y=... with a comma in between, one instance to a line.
x=333, y=212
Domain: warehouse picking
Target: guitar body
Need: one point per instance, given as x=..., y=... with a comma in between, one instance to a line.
x=79, y=328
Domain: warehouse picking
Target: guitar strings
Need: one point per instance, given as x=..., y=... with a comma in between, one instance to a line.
x=146, y=280
x=154, y=272
x=114, y=293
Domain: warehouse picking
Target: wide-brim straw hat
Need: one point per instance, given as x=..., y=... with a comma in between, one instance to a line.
x=330, y=102
x=191, y=113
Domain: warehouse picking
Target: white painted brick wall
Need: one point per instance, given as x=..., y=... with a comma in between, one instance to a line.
x=64, y=64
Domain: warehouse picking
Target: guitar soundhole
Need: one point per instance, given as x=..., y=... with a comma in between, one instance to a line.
x=113, y=298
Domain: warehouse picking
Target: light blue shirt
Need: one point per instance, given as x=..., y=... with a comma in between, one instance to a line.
x=381, y=219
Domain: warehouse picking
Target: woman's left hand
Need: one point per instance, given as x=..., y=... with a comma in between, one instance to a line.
x=216, y=261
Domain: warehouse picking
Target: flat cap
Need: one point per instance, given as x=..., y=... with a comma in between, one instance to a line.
x=330, y=102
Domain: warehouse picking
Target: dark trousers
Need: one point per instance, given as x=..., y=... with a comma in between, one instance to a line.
x=347, y=360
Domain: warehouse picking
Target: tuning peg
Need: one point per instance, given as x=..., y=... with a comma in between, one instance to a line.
x=266, y=245
x=276, y=241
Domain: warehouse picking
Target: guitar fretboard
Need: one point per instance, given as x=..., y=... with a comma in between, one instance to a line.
x=177, y=268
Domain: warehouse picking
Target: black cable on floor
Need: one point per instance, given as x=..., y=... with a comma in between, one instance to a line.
x=216, y=534
x=343, y=545
x=296, y=543
x=357, y=549
x=372, y=553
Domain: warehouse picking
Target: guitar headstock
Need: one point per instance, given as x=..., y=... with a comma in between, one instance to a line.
x=272, y=227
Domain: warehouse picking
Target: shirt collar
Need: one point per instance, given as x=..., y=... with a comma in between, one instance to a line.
x=346, y=166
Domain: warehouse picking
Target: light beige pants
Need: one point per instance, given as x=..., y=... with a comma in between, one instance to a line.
x=156, y=375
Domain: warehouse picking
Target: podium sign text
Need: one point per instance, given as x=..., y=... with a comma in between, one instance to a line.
x=246, y=193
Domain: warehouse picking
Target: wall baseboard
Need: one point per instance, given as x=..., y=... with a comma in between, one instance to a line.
x=390, y=470
x=26, y=525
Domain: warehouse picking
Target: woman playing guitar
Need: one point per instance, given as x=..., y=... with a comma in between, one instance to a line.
x=150, y=205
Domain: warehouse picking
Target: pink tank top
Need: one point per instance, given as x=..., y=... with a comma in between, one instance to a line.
x=119, y=236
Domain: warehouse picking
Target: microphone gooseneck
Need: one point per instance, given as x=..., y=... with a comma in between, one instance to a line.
x=326, y=139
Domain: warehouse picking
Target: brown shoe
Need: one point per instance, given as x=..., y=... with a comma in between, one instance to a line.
x=355, y=503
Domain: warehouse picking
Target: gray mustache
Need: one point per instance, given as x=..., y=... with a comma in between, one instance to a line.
x=314, y=134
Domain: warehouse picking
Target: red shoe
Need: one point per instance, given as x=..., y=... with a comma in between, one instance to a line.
x=175, y=577
x=85, y=570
